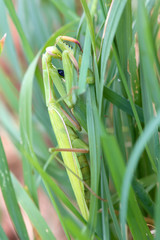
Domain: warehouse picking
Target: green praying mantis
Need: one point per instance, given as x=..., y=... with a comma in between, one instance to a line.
x=72, y=148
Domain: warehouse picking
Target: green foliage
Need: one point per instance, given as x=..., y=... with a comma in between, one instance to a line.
x=119, y=114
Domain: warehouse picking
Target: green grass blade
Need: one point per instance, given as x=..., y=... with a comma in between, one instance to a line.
x=32, y=211
x=118, y=123
x=25, y=111
x=124, y=36
x=124, y=80
x=27, y=49
x=144, y=197
x=149, y=74
x=75, y=229
x=125, y=84
x=134, y=73
x=94, y=147
x=133, y=161
x=38, y=35
x=103, y=8
x=90, y=24
x=111, y=24
x=145, y=181
x=10, y=197
x=2, y=234
x=9, y=124
x=122, y=103
x=105, y=214
x=110, y=203
x=147, y=53
x=10, y=51
x=157, y=209
x=26, y=46
x=85, y=63
x=65, y=10
x=116, y=165
x=9, y=90
x=59, y=211
x=26, y=102
x=148, y=111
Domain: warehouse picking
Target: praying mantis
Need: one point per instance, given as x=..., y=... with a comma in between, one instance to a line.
x=72, y=148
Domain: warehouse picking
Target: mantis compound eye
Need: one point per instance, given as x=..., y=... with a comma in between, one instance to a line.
x=61, y=72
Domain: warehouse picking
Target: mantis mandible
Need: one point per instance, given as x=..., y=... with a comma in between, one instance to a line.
x=71, y=147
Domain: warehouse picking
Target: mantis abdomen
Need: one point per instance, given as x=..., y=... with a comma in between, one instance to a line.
x=77, y=163
x=85, y=169
x=83, y=163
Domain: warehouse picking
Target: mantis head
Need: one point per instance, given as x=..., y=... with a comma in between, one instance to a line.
x=54, y=52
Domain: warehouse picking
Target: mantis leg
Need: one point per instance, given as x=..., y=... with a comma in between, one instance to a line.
x=68, y=70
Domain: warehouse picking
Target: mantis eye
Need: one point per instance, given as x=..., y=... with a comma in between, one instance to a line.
x=61, y=72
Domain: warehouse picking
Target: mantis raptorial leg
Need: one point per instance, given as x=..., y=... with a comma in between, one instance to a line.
x=71, y=147
x=68, y=60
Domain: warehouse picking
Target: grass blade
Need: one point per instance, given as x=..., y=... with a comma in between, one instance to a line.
x=122, y=103
x=111, y=24
x=116, y=165
x=94, y=147
x=65, y=10
x=147, y=53
x=10, y=51
x=2, y=234
x=10, y=197
x=133, y=161
x=26, y=46
x=90, y=24
x=32, y=211
x=9, y=90
x=85, y=64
